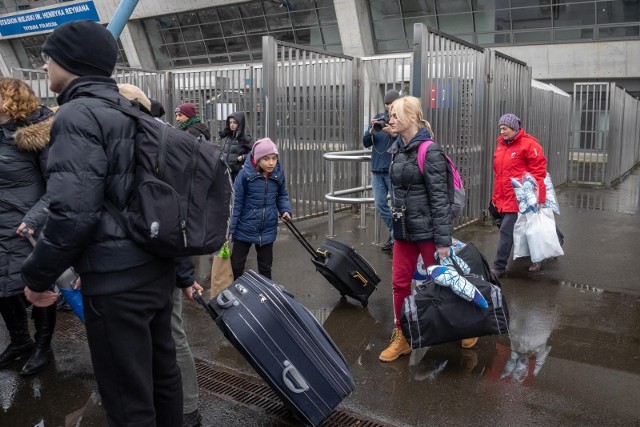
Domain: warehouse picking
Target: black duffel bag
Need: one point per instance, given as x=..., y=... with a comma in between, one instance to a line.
x=435, y=315
x=477, y=263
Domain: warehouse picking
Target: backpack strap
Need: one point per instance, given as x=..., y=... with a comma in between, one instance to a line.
x=422, y=153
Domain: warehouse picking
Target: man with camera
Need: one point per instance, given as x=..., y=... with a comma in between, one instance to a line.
x=380, y=137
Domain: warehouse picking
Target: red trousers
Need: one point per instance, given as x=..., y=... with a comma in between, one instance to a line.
x=405, y=259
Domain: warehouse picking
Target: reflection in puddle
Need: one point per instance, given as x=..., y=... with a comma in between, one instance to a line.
x=624, y=198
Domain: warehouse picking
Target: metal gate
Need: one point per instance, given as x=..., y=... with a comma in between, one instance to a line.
x=310, y=108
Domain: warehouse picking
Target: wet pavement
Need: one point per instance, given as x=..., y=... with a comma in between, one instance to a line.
x=572, y=357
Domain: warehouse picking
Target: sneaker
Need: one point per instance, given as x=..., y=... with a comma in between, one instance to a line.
x=388, y=245
x=536, y=266
x=469, y=342
x=192, y=419
x=398, y=347
x=498, y=273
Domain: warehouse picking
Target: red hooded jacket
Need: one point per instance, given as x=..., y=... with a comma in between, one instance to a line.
x=511, y=160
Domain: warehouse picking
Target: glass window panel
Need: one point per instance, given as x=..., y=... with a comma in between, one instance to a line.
x=304, y=19
x=215, y=46
x=618, y=32
x=324, y=3
x=240, y=57
x=189, y=18
x=331, y=34
x=494, y=38
x=452, y=6
x=327, y=16
x=196, y=48
x=236, y=44
x=200, y=61
x=208, y=15
x=303, y=4
x=191, y=33
x=227, y=13
x=219, y=59
x=391, y=46
x=489, y=4
x=429, y=21
x=531, y=17
x=181, y=63
x=285, y=36
x=273, y=8
x=278, y=22
x=384, y=9
x=251, y=9
x=456, y=24
x=257, y=55
x=173, y=35
x=210, y=31
x=177, y=50
x=255, y=42
x=334, y=48
x=413, y=8
x=255, y=25
x=309, y=36
x=532, y=37
x=491, y=20
x=232, y=27
x=574, y=34
x=163, y=64
x=611, y=12
x=466, y=37
x=387, y=30
x=571, y=15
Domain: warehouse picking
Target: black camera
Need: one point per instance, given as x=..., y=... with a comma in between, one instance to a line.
x=380, y=123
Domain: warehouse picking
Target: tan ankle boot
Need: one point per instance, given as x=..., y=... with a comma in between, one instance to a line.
x=469, y=342
x=398, y=347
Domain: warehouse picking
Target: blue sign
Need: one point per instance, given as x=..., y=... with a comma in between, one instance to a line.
x=46, y=19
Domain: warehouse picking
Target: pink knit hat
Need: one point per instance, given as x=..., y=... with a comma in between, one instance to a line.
x=264, y=147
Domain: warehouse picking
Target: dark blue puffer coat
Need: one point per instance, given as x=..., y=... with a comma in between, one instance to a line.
x=258, y=203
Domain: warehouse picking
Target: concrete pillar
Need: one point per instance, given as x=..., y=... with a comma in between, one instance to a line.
x=137, y=47
x=355, y=28
x=8, y=58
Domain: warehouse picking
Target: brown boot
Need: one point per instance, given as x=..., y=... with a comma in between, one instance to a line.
x=398, y=347
x=469, y=342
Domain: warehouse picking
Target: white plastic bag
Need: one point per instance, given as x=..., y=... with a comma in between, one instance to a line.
x=541, y=236
x=520, y=245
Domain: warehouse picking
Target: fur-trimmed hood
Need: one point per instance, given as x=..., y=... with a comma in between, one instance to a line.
x=33, y=133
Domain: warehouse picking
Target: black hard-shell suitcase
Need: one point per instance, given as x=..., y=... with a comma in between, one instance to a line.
x=342, y=266
x=284, y=343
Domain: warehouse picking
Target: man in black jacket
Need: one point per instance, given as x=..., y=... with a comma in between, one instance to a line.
x=127, y=292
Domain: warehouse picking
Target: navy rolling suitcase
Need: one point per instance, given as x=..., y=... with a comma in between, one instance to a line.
x=284, y=343
x=342, y=266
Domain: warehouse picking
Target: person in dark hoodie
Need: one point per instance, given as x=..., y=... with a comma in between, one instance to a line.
x=187, y=120
x=126, y=291
x=24, y=146
x=424, y=201
x=236, y=144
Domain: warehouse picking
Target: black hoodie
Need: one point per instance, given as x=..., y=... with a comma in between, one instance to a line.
x=235, y=144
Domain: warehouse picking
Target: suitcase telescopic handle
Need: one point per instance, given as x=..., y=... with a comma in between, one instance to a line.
x=298, y=235
x=300, y=385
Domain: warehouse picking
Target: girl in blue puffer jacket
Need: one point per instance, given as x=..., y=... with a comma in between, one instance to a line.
x=260, y=198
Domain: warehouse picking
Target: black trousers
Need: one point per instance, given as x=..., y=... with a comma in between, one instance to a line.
x=239, y=258
x=134, y=356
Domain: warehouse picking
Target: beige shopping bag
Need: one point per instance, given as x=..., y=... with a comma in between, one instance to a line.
x=221, y=272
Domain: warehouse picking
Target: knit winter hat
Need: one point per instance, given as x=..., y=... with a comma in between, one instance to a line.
x=84, y=48
x=264, y=147
x=188, y=109
x=510, y=120
x=390, y=96
x=134, y=93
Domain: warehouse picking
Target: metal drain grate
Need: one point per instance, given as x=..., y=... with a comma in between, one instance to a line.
x=69, y=326
x=254, y=393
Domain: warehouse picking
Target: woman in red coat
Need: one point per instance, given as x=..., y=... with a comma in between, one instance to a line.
x=517, y=152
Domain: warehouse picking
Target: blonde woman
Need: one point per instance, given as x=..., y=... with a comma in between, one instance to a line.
x=423, y=201
x=24, y=142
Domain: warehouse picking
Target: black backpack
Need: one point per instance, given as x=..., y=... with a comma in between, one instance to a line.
x=181, y=204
